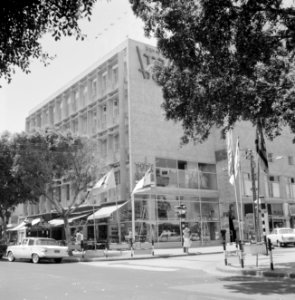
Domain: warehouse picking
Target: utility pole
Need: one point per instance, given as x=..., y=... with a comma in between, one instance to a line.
x=255, y=198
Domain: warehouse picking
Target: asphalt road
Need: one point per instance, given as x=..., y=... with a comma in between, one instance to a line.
x=192, y=277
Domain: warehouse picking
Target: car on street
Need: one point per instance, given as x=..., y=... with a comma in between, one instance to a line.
x=282, y=236
x=35, y=249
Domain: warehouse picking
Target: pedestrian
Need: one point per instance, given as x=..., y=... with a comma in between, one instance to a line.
x=80, y=240
x=186, y=240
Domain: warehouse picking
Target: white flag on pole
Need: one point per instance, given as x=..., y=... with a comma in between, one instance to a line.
x=230, y=157
x=145, y=182
x=237, y=158
x=106, y=182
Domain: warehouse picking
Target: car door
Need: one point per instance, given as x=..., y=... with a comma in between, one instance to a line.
x=27, y=248
x=19, y=249
x=273, y=236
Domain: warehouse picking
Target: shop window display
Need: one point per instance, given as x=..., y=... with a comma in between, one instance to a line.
x=209, y=211
x=210, y=231
x=193, y=211
x=141, y=210
x=169, y=232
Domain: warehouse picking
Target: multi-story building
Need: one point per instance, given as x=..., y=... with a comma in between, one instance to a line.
x=117, y=102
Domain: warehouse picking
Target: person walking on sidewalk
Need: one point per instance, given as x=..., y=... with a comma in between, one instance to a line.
x=186, y=240
x=80, y=240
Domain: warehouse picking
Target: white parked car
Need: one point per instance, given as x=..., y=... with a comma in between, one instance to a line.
x=282, y=236
x=37, y=248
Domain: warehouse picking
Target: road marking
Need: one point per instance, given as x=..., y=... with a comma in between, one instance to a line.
x=128, y=266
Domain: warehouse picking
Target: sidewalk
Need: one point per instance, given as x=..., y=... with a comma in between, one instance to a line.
x=284, y=265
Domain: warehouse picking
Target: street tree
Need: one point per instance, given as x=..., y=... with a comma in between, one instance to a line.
x=23, y=23
x=227, y=61
x=12, y=190
x=46, y=159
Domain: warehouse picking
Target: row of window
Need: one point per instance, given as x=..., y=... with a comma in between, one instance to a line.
x=77, y=100
x=271, y=158
x=185, y=174
x=273, y=186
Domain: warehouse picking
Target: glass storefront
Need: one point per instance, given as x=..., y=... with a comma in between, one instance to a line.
x=156, y=218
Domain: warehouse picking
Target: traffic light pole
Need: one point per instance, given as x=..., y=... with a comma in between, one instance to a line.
x=181, y=213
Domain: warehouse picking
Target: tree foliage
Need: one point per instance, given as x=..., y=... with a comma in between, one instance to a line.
x=13, y=191
x=23, y=23
x=227, y=61
x=47, y=159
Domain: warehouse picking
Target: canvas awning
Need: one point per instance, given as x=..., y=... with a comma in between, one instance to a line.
x=35, y=221
x=20, y=226
x=105, y=212
x=60, y=222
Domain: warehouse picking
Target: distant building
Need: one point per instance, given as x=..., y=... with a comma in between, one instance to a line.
x=117, y=102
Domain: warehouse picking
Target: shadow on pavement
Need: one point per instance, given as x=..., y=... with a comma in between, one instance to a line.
x=255, y=285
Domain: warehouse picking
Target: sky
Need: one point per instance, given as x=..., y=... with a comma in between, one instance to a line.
x=111, y=23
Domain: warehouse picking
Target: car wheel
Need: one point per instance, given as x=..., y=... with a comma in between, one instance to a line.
x=10, y=256
x=58, y=260
x=35, y=258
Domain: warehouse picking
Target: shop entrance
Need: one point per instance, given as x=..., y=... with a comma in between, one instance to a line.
x=102, y=232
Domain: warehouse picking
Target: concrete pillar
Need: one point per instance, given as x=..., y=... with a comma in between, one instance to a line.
x=122, y=135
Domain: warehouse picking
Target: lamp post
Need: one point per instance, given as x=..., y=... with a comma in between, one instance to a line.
x=255, y=207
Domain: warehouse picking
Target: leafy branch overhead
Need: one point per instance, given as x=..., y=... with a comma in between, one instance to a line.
x=23, y=23
x=227, y=60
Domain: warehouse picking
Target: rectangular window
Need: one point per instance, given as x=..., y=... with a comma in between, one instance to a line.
x=115, y=77
x=290, y=160
x=274, y=186
x=117, y=177
x=166, y=163
x=270, y=157
x=277, y=209
x=75, y=102
x=85, y=91
x=207, y=176
x=94, y=87
x=104, y=148
x=116, y=143
x=115, y=111
x=104, y=83
x=182, y=165
x=247, y=184
x=290, y=188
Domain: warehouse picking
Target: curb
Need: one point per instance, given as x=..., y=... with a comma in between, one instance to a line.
x=157, y=256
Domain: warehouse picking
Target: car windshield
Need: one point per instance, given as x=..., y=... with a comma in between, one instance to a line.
x=286, y=230
x=46, y=242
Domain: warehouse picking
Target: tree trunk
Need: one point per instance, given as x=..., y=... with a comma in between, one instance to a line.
x=4, y=227
x=67, y=230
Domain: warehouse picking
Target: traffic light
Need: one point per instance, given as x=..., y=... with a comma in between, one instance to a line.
x=181, y=211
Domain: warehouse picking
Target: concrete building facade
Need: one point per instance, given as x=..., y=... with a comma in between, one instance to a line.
x=117, y=102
